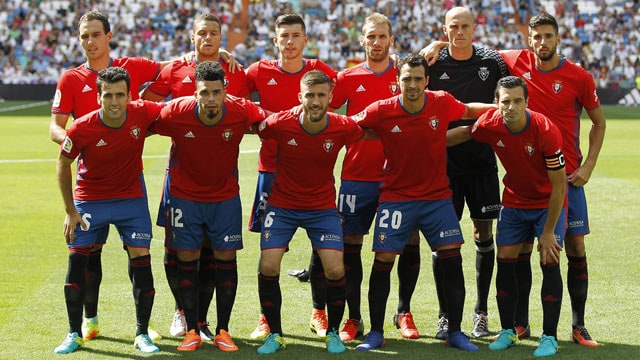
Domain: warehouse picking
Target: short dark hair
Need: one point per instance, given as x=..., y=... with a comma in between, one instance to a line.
x=414, y=60
x=510, y=82
x=96, y=15
x=112, y=75
x=291, y=19
x=208, y=17
x=315, y=77
x=209, y=71
x=543, y=18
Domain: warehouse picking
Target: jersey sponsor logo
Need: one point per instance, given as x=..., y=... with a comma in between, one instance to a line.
x=328, y=145
x=527, y=75
x=86, y=88
x=101, y=143
x=557, y=86
x=187, y=80
x=395, y=89
x=444, y=76
x=139, y=235
x=67, y=145
x=529, y=149
x=272, y=82
x=483, y=73
x=293, y=142
x=232, y=238
x=396, y=129
x=189, y=134
x=227, y=134
x=500, y=143
x=433, y=122
x=361, y=89
x=449, y=232
x=135, y=132
x=490, y=208
x=56, y=98
x=575, y=224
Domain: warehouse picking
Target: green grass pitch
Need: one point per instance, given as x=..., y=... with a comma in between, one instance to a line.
x=34, y=260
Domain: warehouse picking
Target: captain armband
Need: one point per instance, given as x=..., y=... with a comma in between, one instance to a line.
x=555, y=161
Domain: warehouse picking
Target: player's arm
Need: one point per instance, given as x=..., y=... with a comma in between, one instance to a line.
x=458, y=135
x=57, y=127
x=430, y=52
x=475, y=109
x=65, y=182
x=147, y=94
x=547, y=243
x=596, y=138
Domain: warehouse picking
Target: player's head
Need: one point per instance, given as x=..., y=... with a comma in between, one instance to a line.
x=210, y=92
x=413, y=76
x=94, y=32
x=291, y=36
x=376, y=37
x=207, y=35
x=113, y=92
x=459, y=26
x=543, y=36
x=512, y=97
x=315, y=95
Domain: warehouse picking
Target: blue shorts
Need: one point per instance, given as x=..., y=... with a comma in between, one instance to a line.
x=161, y=220
x=322, y=226
x=396, y=220
x=192, y=220
x=480, y=192
x=263, y=189
x=130, y=216
x=520, y=226
x=577, y=214
x=357, y=204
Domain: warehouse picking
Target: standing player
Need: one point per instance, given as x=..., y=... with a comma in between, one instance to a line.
x=76, y=95
x=203, y=200
x=278, y=84
x=470, y=73
x=176, y=80
x=303, y=195
x=363, y=173
x=415, y=192
x=559, y=89
x=529, y=146
x=109, y=190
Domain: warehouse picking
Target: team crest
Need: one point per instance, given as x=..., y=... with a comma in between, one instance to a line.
x=328, y=145
x=529, y=149
x=227, y=134
x=135, y=132
x=557, y=86
x=483, y=73
x=382, y=237
x=267, y=235
x=394, y=88
x=433, y=122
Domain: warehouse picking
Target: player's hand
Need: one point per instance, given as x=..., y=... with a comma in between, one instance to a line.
x=580, y=177
x=296, y=110
x=549, y=249
x=230, y=59
x=430, y=52
x=71, y=221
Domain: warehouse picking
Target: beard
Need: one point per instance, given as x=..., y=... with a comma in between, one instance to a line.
x=211, y=114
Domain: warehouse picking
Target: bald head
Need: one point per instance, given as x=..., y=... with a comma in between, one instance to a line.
x=459, y=26
x=459, y=12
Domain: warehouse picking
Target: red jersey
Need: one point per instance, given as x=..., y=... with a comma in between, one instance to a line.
x=304, y=175
x=560, y=94
x=278, y=91
x=526, y=156
x=178, y=79
x=358, y=87
x=415, y=145
x=77, y=92
x=110, y=160
x=203, y=164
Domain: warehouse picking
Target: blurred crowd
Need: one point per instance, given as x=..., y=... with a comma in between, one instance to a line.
x=38, y=38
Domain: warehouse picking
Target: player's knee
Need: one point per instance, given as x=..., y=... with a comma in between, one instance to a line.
x=353, y=239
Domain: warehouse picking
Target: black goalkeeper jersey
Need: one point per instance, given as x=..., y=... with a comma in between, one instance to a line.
x=472, y=80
